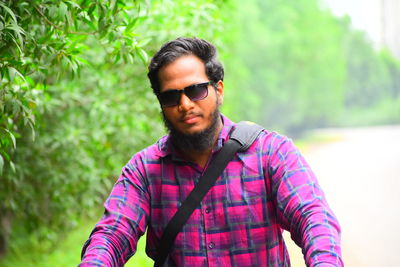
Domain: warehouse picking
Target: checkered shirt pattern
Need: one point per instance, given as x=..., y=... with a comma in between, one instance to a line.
x=262, y=191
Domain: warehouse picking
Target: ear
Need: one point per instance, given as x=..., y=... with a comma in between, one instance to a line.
x=220, y=92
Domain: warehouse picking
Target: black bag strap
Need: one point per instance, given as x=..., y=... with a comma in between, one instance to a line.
x=241, y=138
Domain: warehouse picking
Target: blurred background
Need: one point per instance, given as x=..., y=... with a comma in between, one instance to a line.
x=75, y=105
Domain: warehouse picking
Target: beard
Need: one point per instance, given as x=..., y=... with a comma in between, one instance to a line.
x=200, y=141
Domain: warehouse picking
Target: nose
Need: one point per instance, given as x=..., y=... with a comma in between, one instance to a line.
x=185, y=103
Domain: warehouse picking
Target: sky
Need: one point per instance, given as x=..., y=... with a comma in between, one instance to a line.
x=364, y=14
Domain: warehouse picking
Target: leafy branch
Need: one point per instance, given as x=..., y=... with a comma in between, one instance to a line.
x=35, y=54
x=58, y=27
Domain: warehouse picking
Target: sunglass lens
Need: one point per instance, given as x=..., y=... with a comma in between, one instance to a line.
x=197, y=91
x=169, y=98
x=194, y=92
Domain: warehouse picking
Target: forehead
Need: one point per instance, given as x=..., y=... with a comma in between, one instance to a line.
x=183, y=71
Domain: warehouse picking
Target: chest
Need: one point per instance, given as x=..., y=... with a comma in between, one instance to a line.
x=240, y=194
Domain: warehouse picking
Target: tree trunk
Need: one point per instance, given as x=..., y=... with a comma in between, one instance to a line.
x=5, y=230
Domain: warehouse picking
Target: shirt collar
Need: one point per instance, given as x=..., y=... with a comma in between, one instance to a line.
x=164, y=149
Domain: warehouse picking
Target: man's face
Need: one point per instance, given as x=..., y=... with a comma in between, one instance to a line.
x=189, y=117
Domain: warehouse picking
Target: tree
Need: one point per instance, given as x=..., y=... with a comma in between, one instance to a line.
x=87, y=127
x=292, y=66
x=41, y=41
x=291, y=60
x=40, y=44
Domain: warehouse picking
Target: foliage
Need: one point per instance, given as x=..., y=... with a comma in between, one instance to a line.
x=41, y=45
x=372, y=85
x=75, y=103
x=41, y=41
x=292, y=66
x=88, y=127
x=66, y=253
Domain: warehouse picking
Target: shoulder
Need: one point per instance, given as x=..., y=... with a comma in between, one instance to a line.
x=278, y=150
x=149, y=156
x=270, y=142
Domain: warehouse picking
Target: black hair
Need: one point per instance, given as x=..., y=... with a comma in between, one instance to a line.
x=182, y=47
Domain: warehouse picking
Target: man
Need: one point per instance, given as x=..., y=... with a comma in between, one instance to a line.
x=263, y=190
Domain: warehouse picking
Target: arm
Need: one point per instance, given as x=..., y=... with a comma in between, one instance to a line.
x=114, y=238
x=301, y=206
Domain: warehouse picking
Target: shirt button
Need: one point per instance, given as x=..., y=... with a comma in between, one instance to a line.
x=207, y=210
x=211, y=245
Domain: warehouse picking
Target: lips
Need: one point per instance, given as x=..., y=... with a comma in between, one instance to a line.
x=190, y=119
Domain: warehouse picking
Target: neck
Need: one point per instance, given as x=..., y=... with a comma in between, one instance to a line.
x=201, y=157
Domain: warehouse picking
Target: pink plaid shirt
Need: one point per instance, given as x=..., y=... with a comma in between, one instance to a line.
x=240, y=221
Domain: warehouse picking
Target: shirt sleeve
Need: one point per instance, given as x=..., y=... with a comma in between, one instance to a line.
x=301, y=205
x=114, y=238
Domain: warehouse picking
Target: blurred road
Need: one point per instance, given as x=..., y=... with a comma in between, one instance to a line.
x=360, y=175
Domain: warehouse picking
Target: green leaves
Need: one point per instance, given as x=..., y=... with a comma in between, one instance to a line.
x=10, y=30
x=75, y=102
x=142, y=55
x=1, y=164
x=12, y=73
x=12, y=137
x=302, y=67
x=45, y=40
x=8, y=11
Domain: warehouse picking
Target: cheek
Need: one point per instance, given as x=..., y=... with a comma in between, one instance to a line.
x=168, y=113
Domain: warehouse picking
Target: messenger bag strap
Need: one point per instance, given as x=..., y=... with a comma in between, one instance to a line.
x=241, y=138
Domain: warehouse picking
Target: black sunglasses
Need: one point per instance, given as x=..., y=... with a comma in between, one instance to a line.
x=194, y=92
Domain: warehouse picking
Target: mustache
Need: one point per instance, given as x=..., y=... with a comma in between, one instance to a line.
x=189, y=142
x=189, y=114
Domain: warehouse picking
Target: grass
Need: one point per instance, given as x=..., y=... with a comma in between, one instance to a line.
x=66, y=252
